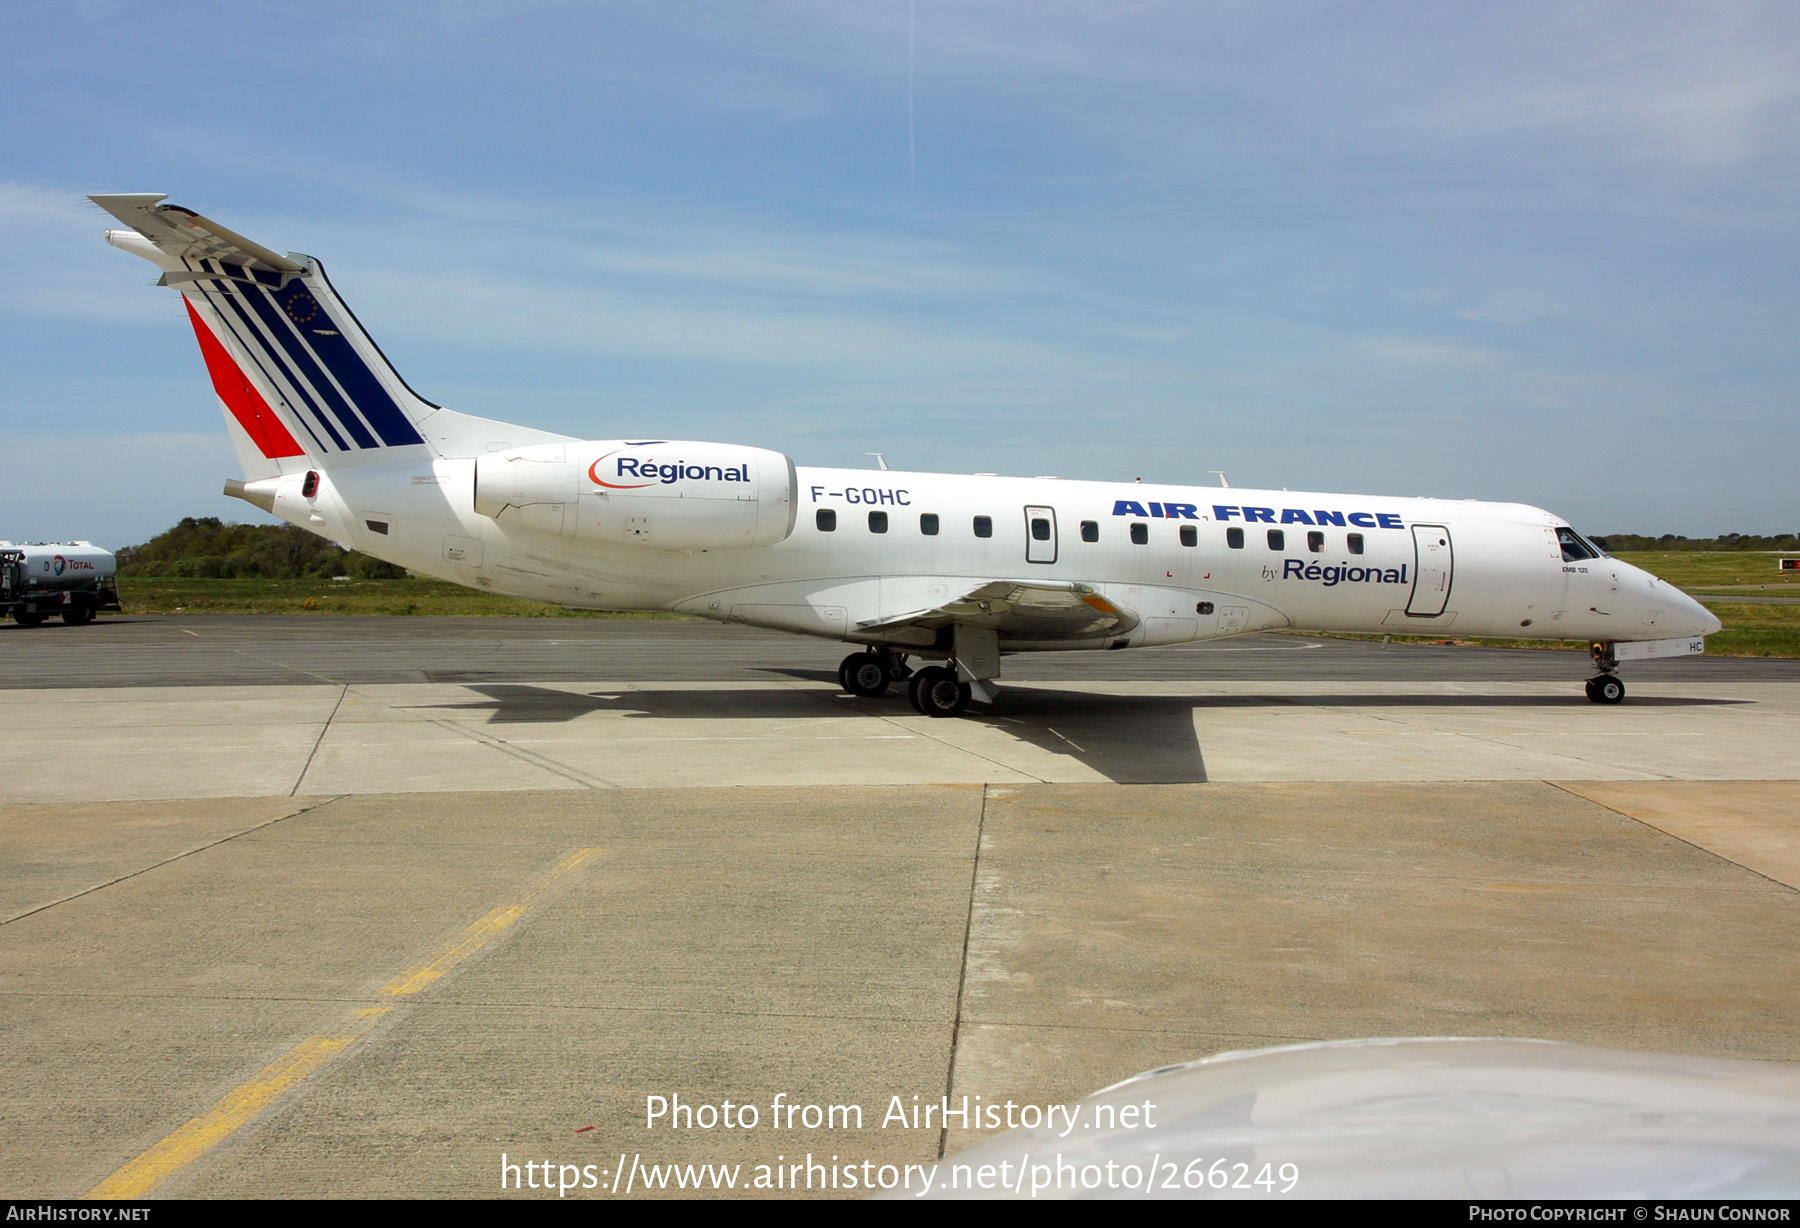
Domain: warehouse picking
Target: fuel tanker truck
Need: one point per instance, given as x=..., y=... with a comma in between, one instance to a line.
x=74, y=579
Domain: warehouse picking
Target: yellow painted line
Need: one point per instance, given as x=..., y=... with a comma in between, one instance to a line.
x=212, y=1127
x=474, y=938
x=485, y=930
x=139, y=1176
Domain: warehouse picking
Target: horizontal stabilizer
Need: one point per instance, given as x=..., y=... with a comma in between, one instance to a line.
x=187, y=236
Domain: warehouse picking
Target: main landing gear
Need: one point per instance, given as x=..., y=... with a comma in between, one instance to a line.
x=936, y=691
x=1608, y=688
x=933, y=690
x=868, y=674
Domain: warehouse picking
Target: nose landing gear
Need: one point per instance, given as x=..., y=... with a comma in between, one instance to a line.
x=1608, y=688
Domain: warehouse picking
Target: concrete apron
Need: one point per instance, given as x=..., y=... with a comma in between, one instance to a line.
x=364, y=940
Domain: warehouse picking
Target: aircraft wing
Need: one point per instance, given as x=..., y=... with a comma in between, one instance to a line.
x=1022, y=609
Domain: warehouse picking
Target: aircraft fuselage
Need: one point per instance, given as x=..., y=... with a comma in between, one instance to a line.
x=1190, y=562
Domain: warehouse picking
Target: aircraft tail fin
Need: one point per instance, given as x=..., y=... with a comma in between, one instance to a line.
x=301, y=381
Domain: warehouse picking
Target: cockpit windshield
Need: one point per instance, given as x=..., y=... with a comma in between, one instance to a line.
x=1575, y=546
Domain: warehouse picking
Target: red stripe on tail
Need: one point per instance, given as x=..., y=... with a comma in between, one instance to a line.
x=244, y=402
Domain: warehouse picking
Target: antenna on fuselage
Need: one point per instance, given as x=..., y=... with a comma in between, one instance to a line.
x=1221, y=476
x=879, y=460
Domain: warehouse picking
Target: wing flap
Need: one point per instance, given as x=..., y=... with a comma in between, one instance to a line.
x=1023, y=609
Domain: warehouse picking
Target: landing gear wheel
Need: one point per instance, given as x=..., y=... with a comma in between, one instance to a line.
x=29, y=620
x=935, y=691
x=864, y=674
x=1606, y=689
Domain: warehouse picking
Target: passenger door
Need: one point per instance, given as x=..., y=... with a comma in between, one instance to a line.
x=1433, y=569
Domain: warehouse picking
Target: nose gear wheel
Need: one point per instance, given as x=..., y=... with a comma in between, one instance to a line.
x=1606, y=689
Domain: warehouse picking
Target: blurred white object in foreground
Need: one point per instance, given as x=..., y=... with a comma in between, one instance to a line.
x=1420, y=1118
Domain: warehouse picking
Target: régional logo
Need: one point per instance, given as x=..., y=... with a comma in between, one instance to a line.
x=665, y=473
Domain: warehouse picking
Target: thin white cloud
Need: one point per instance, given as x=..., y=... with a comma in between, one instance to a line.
x=1425, y=352
x=55, y=261
x=1706, y=94
x=1512, y=307
x=542, y=277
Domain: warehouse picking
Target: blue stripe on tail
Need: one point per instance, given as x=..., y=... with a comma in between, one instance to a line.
x=326, y=338
x=248, y=336
x=278, y=326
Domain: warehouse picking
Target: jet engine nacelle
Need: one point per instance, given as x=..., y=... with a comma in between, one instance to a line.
x=669, y=495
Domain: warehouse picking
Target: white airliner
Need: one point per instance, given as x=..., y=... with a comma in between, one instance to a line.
x=952, y=569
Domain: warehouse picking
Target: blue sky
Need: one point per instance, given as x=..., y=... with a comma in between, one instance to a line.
x=1534, y=252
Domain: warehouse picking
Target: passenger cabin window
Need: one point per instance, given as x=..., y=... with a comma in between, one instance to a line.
x=928, y=523
x=1315, y=542
x=1140, y=534
x=826, y=519
x=1190, y=535
x=878, y=522
x=1574, y=546
x=1234, y=538
x=1090, y=530
x=1040, y=529
x=1355, y=543
x=984, y=526
x=1277, y=540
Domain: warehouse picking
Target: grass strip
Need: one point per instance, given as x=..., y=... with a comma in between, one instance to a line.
x=411, y=596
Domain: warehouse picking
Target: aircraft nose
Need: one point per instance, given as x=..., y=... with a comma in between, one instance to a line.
x=1677, y=614
x=1711, y=623
x=1689, y=614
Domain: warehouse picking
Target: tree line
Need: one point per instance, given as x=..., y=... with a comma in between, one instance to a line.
x=204, y=547
x=1669, y=541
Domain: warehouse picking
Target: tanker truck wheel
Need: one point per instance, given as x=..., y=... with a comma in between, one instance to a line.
x=29, y=620
x=74, y=617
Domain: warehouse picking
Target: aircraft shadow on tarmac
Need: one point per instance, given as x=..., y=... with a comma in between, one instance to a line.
x=1128, y=739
